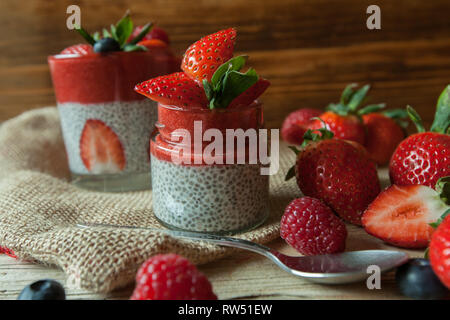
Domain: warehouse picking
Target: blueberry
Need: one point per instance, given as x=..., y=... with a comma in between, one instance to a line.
x=106, y=45
x=43, y=290
x=416, y=279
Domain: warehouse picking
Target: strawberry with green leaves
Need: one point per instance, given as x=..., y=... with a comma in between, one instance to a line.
x=344, y=118
x=337, y=171
x=119, y=37
x=424, y=157
x=212, y=78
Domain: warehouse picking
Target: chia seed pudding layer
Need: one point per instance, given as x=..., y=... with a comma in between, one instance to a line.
x=132, y=122
x=217, y=198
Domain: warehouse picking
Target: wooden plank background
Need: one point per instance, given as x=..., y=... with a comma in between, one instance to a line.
x=308, y=49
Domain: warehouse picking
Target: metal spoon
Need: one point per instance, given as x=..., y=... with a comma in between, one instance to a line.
x=338, y=268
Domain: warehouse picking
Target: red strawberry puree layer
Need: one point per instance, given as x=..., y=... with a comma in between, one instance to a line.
x=106, y=125
x=172, y=118
x=97, y=78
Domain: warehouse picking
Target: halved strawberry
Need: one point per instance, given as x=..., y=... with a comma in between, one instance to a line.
x=401, y=215
x=100, y=148
x=175, y=89
x=251, y=94
x=79, y=49
x=203, y=57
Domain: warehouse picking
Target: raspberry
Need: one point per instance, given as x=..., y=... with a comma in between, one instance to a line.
x=311, y=227
x=171, y=277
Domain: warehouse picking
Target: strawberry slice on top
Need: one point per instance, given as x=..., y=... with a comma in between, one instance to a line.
x=251, y=94
x=212, y=77
x=175, y=89
x=100, y=148
x=401, y=215
x=203, y=57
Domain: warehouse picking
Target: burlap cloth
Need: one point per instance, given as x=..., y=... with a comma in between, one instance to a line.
x=39, y=210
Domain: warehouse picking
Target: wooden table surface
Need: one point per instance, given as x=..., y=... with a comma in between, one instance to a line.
x=241, y=276
x=308, y=49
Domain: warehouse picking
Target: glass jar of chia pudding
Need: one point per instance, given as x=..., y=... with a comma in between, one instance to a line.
x=192, y=191
x=105, y=124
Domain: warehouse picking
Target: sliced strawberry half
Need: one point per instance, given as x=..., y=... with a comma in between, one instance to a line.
x=401, y=215
x=175, y=89
x=79, y=49
x=251, y=94
x=203, y=57
x=101, y=149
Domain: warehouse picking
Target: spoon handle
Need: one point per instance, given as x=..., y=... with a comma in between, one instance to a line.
x=220, y=240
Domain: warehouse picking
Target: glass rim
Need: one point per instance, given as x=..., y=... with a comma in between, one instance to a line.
x=97, y=55
x=253, y=106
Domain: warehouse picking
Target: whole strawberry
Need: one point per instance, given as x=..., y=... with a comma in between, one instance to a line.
x=344, y=118
x=203, y=57
x=424, y=157
x=440, y=251
x=338, y=172
x=296, y=124
x=171, y=277
x=383, y=136
x=311, y=227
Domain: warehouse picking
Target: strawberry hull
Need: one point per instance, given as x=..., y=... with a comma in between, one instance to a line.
x=106, y=125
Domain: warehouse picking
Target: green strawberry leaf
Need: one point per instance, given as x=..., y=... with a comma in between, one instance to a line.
x=96, y=36
x=415, y=117
x=396, y=114
x=234, y=83
x=426, y=254
x=290, y=174
x=439, y=221
x=443, y=188
x=85, y=35
x=371, y=108
x=133, y=47
x=209, y=91
x=114, y=33
x=348, y=93
x=145, y=29
x=338, y=108
x=123, y=29
x=358, y=97
x=106, y=33
x=441, y=121
x=234, y=64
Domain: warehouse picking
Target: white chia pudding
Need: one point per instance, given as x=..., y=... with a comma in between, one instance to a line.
x=217, y=198
x=132, y=123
